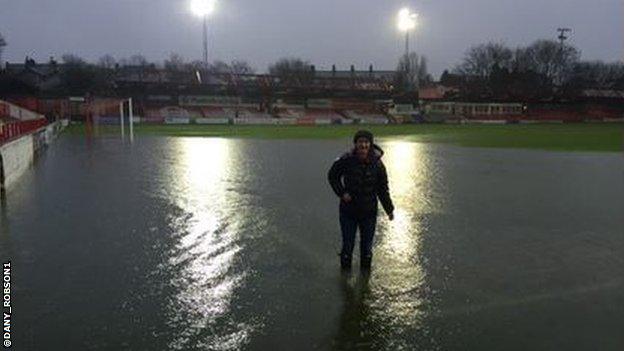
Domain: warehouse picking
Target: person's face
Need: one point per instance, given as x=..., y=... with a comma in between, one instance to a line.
x=362, y=146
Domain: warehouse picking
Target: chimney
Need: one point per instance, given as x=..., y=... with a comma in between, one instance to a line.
x=333, y=70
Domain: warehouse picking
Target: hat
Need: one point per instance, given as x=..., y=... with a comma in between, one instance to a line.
x=363, y=134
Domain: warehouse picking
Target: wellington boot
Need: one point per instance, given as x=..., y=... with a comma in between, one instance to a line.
x=345, y=263
x=365, y=263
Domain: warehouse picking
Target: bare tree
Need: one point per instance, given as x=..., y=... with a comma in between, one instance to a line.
x=411, y=72
x=423, y=75
x=75, y=60
x=140, y=63
x=241, y=67
x=219, y=67
x=522, y=60
x=292, y=70
x=138, y=60
x=482, y=59
x=552, y=60
x=175, y=67
x=597, y=75
x=3, y=43
x=541, y=70
x=77, y=77
x=235, y=67
x=197, y=65
x=175, y=62
x=107, y=62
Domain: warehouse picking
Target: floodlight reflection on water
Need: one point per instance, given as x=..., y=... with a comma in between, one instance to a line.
x=207, y=245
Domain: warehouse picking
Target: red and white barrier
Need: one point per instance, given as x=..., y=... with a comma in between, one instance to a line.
x=10, y=110
x=15, y=129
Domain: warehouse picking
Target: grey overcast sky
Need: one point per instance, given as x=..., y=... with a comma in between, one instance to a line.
x=344, y=32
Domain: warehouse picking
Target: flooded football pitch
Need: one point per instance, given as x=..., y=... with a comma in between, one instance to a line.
x=218, y=244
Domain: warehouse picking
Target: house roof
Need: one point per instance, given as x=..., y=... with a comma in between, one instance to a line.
x=40, y=69
x=384, y=75
x=597, y=93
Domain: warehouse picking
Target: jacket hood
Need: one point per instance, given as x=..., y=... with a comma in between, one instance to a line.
x=377, y=151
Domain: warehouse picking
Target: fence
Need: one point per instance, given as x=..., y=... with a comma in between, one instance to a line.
x=10, y=110
x=13, y=130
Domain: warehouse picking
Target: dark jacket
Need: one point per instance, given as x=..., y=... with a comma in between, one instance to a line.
x=365, y=181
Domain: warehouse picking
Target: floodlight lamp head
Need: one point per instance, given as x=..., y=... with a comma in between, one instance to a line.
x=405, y=20
x=202, y=8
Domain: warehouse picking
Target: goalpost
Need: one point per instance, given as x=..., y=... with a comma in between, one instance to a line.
x=104, y=110
x=130, y=118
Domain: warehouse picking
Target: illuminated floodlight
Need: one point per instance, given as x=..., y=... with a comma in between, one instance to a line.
x=406, y=20
x=203, y=8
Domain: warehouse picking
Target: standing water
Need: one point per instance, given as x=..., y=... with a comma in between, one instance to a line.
x=219, y=244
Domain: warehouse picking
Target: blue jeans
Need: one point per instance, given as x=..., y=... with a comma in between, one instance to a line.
x=349, y=225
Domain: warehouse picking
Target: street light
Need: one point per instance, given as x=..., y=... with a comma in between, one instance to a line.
x=203, y=8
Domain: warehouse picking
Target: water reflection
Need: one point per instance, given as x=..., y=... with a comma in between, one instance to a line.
x=355, y=329
x=207, y=246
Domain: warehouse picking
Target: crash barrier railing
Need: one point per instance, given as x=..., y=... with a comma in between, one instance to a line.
x=13, y=130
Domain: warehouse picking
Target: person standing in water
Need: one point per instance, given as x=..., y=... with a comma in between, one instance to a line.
x=359, y=178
